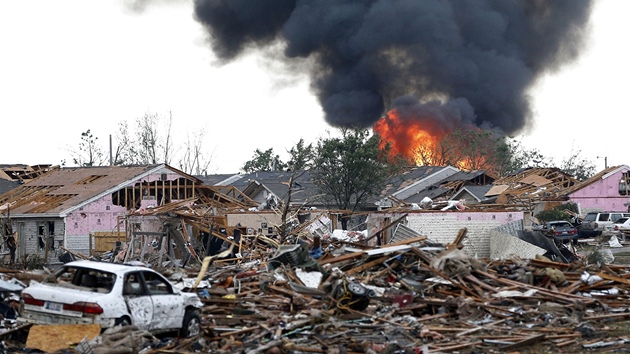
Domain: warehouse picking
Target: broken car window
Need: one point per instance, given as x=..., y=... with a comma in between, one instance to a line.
x=132, y=285
x=156, y=284
x=82, y=278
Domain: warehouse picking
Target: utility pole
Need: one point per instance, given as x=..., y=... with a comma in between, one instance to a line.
x=111, y=158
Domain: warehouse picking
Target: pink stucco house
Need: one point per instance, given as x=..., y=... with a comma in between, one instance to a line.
x=609, y=190
x=66, y=207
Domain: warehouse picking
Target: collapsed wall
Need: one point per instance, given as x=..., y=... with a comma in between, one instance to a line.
x=443, y=227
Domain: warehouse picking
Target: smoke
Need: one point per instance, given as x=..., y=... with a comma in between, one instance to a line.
x=479, y=58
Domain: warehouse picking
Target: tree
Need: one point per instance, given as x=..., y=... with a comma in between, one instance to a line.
x=577, y=166
x=301, y=160
x=195, y=160
x=122, y=154
x=513, y=156
x=301, y=156
x=147, y=139
x=472, y=149
x=89, y=153
x=351, y=168
x=559, y=213
x=147, y=145
x=263, y=161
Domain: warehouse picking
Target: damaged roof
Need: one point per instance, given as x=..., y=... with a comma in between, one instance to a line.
x=61, y=190
x=525, y=185
x=413, y=176
x=19, y=172
x=605, y=173
x=275, y=182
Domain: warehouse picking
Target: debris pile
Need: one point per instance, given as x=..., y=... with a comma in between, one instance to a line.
x=411, y=296
x=414, y=296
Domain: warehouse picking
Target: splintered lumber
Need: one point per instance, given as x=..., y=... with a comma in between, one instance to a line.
x=240, y=331
x=406, y=242
x=392, y=247
x=367, y=265
x=557, y=295
x=387, y=227
x=342, y=258
x=455, y=347
x=524, y=343
x=616, y=316
x=460, y=237
x=614, y=278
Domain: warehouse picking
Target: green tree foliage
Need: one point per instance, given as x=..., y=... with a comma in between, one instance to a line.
x=301, y=156
x=264, y=161
x=561, y=212
x=512, y=156
x=578, y=166
x=90, y=152
x=351, y=168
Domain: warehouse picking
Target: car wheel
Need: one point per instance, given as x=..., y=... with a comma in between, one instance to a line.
x=192, y=324
x=123, y=321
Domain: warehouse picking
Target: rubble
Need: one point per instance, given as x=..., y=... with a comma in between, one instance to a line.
x=340, y=294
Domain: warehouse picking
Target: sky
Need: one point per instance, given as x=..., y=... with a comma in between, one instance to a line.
x=69, y=66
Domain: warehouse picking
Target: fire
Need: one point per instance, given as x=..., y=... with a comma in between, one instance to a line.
x=421, y=141
x=414, y=139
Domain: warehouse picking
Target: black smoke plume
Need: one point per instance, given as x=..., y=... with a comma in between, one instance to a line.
x=483, y=55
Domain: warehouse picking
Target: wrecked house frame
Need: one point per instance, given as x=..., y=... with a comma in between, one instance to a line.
x=76, y=209
x=441, y=226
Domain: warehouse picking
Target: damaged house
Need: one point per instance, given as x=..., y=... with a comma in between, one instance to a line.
x=13, y=175
x=608, y=190
x=271, y=189
x=86, y=209
x=440, y=208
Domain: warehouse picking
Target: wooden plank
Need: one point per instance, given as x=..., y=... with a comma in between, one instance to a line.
x=51, y=338
x=345, y=257
x=524, y=343
x=367, y=265
x=614, y=278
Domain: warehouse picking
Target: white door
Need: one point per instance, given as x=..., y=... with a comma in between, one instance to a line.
x=138, y=301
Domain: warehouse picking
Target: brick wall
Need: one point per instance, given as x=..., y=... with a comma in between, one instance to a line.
x=443, y=227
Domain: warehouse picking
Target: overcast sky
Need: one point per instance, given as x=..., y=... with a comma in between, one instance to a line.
x=69, y=66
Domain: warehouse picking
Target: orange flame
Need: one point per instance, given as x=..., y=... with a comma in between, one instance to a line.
x=414, y=140
x=417, y=140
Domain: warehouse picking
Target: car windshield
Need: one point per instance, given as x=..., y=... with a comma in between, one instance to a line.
x=621, y=220
x=590, y=217
x=87, y=279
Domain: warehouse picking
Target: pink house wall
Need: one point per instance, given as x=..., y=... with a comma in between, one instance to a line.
x=103, y=216
x=602, y=195
x=100, y=215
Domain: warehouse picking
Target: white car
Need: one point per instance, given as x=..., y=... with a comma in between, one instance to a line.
x=111, y=294
x=619, y=226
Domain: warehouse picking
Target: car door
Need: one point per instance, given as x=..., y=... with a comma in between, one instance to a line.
x=168, y=306
x=138, y=301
